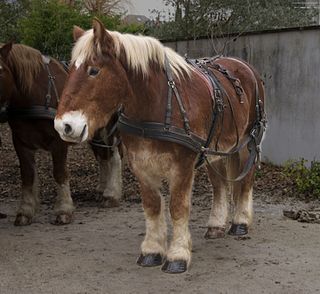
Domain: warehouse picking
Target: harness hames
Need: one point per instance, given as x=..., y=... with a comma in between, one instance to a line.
x=184, y=136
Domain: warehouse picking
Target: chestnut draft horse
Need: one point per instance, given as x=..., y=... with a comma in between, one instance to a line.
x=174, y=115
x=30, y=86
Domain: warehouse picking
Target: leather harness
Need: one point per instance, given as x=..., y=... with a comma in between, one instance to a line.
x=184, y=136
x=35, y=111
x=47, y=112
x=166, y=131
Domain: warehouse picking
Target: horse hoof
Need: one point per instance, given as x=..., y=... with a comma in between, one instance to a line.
x=109, y=202
x=22, y=220
x=63, y=219
x=215, y=233
x=3, y=215
x=174, y=267
x=238, y=229
x=154, y=259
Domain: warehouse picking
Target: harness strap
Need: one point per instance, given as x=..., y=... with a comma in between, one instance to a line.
x=166, y=132
x=173, y=89
x=153, y=130
x=32, y=112
x=234, y=81
x=51, y=83
x=99, y=142
x=218, y=105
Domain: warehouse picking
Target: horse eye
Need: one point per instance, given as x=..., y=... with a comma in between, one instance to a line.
x=93, y=71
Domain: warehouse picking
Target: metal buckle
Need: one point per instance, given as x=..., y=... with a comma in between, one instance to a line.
x=171, y=84
x=253, y=132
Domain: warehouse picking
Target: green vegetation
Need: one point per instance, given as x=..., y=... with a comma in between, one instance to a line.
x=47, y=24
x=194, y=18
x=306, y=179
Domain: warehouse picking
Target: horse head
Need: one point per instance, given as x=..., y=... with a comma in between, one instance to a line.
x=96, y=86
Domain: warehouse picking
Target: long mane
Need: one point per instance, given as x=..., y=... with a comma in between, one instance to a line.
x=140, y=52
x=25, y=62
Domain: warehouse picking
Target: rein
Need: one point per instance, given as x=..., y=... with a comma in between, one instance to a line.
x=183, y=136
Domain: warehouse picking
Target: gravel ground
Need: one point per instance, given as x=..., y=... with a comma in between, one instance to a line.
x=97, y=252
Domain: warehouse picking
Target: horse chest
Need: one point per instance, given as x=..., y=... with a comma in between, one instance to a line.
x=148, y=161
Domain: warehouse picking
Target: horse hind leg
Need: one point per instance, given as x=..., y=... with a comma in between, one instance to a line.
x=242, y=195
x=110, y=185
x=30, y=190
x=220, y=205
x=64, y=204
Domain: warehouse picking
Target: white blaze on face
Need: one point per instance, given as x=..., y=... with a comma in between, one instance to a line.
x=72, y=126
x=78, y=63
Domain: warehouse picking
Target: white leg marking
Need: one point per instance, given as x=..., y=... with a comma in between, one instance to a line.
x=244, y=209
x=219, y=208
x=181, y=244
x=112, y=173
x=30, y=199
x=64, y=202
x=103, y=174
x=155, y=240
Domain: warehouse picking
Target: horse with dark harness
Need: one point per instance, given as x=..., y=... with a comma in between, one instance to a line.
x=184, y=136
x=48, y=112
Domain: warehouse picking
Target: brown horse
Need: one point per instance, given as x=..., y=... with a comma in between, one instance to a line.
x=30, y=86
x=217, y=111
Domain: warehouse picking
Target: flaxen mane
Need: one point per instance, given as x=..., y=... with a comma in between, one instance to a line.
x=140, y=52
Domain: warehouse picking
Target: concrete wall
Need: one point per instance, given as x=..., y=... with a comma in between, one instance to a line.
x=289, y=63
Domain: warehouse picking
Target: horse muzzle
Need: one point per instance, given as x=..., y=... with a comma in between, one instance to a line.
x=72, y=127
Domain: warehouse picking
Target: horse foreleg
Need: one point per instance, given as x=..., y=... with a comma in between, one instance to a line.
x=30, y=190
x=111, y=178
x=64, y=204
x=219, y=208
x=154, y=245
x=179, y=253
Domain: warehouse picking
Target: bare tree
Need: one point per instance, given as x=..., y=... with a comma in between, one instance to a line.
x=105, y=7
x=99, y=7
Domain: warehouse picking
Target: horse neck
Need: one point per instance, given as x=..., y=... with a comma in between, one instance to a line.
x=36, y=95
x=148, y=96
x=25, y=98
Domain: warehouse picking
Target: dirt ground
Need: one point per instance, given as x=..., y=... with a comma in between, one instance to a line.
x=97, y=252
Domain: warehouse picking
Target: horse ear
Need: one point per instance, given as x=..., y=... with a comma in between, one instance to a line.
x=99, y=32
x=5, y=49
x=77, y=33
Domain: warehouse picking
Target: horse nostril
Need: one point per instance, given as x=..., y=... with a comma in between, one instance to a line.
x=67, y=129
